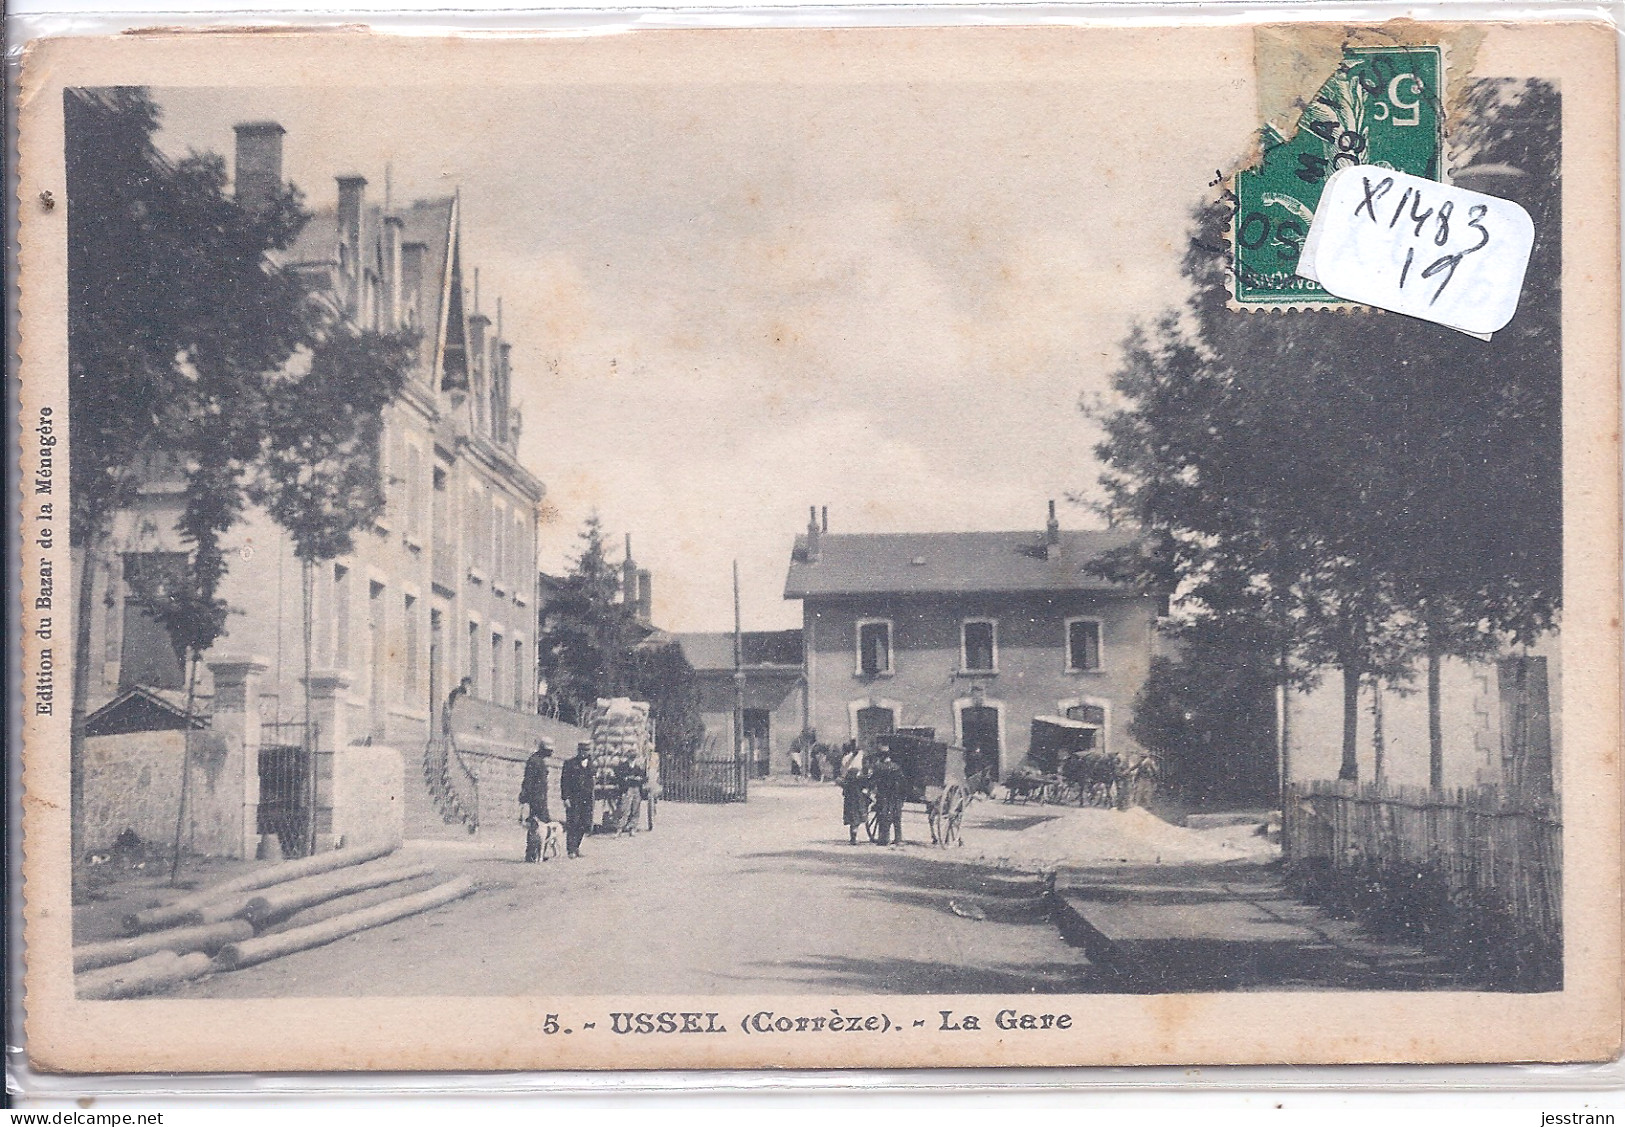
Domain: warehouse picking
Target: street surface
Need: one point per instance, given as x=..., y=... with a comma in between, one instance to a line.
x=759, y=897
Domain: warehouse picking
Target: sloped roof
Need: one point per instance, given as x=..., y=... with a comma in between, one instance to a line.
x=758, y=647
x=140, y=709
x=950, y=562
x=426, y=221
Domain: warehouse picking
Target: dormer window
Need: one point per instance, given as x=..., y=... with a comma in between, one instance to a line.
x=978, y=639
x=874, y=647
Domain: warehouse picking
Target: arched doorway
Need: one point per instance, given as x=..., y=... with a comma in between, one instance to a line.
x=874, y=721
x=979, y=728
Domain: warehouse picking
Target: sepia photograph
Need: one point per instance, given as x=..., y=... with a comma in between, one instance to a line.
x=595, y=553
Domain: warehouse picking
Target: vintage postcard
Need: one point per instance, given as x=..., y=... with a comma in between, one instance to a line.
x=817, y=549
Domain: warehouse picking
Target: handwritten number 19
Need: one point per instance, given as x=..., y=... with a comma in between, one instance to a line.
x=1444, y=264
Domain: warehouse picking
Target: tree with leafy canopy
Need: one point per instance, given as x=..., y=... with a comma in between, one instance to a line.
x=1354, y=483
x=174, y=322
x=660, y=674
x=587, y=633
x=1230, y=474
x=1478, y=536
x=1209, y=713
x=186, y=343
x=320, y=474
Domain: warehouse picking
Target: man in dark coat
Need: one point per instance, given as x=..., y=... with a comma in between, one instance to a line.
x=888, y=783
x=576, y=787
x=533, y=799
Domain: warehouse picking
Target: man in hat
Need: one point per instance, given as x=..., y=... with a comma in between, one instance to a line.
x=889, y=786
x=533, y=799
x=576, y=785
x=633, y=780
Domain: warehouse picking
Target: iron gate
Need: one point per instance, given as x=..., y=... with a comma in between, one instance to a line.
x=704, y=780
x=287, y=785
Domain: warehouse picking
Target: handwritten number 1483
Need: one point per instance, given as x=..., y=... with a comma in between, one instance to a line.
x=1445, y=264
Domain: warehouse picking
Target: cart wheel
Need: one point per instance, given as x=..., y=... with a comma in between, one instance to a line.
x=953, y=813
x=871, y=819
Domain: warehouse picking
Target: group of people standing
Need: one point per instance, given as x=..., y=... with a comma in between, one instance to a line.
x=578, y=783
x=885, y=781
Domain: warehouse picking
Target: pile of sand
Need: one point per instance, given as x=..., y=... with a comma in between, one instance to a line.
x=1071, y=836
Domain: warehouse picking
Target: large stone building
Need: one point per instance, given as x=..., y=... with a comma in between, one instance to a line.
x=443, y=586
x=970, y=635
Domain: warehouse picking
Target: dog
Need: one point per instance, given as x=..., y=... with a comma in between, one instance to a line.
x=552, y=839
x=550, y=835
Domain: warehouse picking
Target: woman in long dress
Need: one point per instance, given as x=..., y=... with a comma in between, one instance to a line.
x=854, y=802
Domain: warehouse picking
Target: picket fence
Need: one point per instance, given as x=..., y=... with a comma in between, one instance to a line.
x=1481, y=839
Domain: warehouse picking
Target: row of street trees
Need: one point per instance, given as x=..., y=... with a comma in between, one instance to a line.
x=1364, y=493
x=188, y=347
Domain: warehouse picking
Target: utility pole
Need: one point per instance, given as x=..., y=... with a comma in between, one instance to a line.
x=739, y=682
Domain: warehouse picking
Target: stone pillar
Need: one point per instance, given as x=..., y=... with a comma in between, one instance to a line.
x=328, y=688
x=235, y=720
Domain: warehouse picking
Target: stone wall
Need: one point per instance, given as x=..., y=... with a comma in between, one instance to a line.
x=367, y=804
x=1471, y=716
x=133, y=782
x=219, y=823
x=498, y=776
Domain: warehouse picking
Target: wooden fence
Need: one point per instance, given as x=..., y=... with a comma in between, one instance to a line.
x=1482, y=839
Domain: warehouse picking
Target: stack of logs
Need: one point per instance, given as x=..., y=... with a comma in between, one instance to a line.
x=288, y=907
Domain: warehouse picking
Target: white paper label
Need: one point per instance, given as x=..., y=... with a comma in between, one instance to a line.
x=1419, y=247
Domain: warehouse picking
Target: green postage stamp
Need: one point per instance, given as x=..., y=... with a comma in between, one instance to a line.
x=1384, y=106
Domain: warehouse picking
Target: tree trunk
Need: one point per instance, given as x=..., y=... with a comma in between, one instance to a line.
x=1435, y=725
x=1349, y=771
x=83, y=605
x=1283, y=741
x=307, y=592
x=1379, y=741
x=186, y=766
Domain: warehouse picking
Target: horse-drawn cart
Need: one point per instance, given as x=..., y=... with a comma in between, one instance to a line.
x=933, y=776
x=1065, y=763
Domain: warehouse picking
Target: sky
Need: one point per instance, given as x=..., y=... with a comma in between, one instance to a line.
x=729, y=302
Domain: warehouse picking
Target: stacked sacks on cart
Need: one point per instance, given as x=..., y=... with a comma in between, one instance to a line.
x=620, y=726
x=623, y=755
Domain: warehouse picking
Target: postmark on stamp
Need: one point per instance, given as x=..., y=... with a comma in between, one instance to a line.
x=1383, y=106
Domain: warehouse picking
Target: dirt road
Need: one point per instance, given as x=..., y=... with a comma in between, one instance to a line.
x=760, y=897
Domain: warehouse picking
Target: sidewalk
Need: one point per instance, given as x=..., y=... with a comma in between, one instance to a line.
x=1175, y=928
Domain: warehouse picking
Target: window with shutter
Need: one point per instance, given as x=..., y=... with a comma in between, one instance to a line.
x=1082, y=645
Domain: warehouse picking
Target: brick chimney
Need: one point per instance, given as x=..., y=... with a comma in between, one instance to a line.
x=352, y=204
x=258, y=176
x=412, y=255
x=393, y=227
x=646, y=594
x=1052, y=535
x=823, y=519
x=629, y=576
x=503, y=384
x=478, y=352
x=812, y=534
